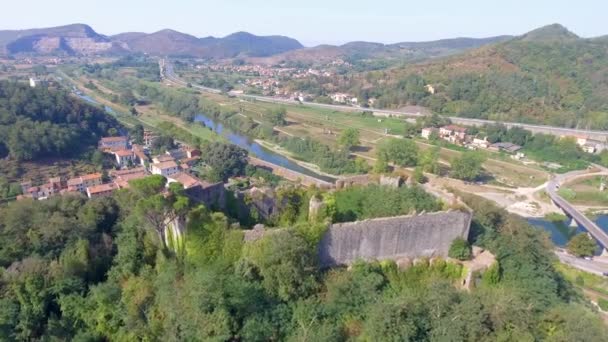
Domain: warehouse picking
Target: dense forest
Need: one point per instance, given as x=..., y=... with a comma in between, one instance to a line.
x=44, y=122
x=550, y=77
x=95, y=270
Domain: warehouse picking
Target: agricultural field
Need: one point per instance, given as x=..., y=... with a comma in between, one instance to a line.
x=585, y=191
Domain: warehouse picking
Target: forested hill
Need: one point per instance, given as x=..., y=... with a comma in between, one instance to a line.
x=41, y=122
x=548, y=76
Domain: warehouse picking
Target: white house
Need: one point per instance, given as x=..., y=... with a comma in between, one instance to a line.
x=124, y=158
x=166, y=169
x=427, y=132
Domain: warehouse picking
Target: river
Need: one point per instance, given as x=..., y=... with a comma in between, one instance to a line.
x=256, y=149
x=561, y=232
x=240, y=140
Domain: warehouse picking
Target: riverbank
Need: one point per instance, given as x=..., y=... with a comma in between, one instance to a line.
x=279, y=150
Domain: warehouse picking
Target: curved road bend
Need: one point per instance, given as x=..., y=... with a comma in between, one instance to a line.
x=580, y=218
x=168, y=73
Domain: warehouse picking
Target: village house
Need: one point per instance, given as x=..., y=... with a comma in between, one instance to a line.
x=211, y=194
x=184, y=179
x=590, y=145
x=192, y=152
x=44, y=191
x=505, y=147
x=427, y=132
x=480, y=143
x=149, y=138
x=162, y=158
x=452, y=133
x=81, y=183
x=340, y=97
x=177, y=153
x=123, y=177
x=166, y=169
x=124, y=158
x=101, y=190
x=114, y=143
x=189, y=162
x=140, y=156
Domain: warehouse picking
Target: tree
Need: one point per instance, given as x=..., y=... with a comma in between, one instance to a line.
x=468, y=166
x=582, y=245
x=225, y=160
x=419, y=175
x=349, y=138
x=381, y=165
x=410, y=130
x=429, y=160
x=460, y=249
x=402, y=152
x=276, y=116
x=285, y=263
x=137, y=134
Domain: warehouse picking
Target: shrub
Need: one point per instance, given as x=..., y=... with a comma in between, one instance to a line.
x=460, y=249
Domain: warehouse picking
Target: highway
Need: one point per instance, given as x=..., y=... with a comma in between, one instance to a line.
x=167, y=73
x=580, y=218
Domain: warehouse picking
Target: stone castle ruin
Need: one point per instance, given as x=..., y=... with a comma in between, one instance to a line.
x=428, y=235
x=417, y=236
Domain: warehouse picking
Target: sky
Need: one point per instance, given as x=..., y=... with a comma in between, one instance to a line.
x=315, y=22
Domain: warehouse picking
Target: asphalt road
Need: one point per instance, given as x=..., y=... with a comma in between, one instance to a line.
x=167, y=73
x=590, y=266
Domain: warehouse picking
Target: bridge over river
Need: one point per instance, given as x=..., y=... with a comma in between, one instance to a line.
x=583, y=221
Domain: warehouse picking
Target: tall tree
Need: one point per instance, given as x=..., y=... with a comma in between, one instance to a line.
x=468, y=166
x=349, y=138
x=402, y=152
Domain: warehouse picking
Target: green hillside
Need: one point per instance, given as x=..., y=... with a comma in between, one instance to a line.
x=548, y=76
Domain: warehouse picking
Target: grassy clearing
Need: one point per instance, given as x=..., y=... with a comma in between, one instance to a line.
x=585, y=191
x=583, y=279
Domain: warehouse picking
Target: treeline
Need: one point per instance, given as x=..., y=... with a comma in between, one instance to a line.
x=42, y=122
x=95, y=270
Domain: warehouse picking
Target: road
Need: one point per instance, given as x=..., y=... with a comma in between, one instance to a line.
x=580, y=218
x=168, y=74
x=590, y=266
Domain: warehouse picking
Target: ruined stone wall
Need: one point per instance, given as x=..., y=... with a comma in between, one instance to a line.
x=428, y=235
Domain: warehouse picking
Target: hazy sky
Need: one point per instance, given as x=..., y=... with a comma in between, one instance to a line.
x=315, y=21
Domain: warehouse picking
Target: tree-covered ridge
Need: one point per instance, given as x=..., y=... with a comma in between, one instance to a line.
x=551, y=78
x=37, y=122
x=95, y=270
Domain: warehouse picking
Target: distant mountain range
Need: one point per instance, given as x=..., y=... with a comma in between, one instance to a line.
x=80, y=39
x=404, y=51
